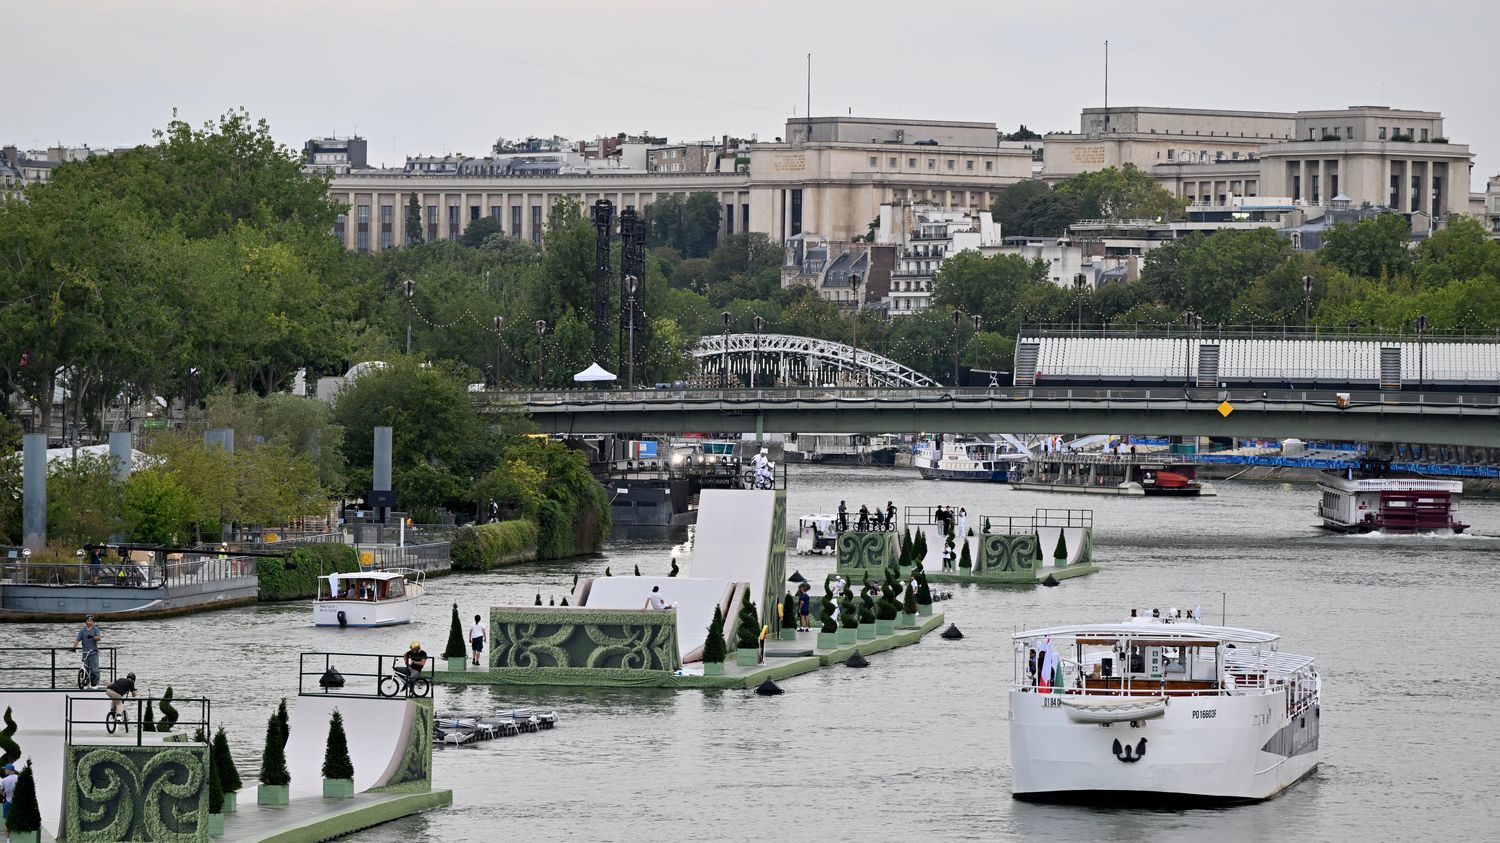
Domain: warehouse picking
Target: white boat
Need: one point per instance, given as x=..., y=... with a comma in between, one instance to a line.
x=965, y=458
x=1373, y=499
x=817, y=533
x=368, y=598
x=1160, y=709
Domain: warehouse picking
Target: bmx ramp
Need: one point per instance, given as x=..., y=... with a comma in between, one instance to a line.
x=695, y=599
x=378, y=732
x=733, y=539
x=41, y=734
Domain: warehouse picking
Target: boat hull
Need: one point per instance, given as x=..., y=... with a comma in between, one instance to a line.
x=360, y=613
x=972, y=476
x=1201, y=749
x=1132, y=489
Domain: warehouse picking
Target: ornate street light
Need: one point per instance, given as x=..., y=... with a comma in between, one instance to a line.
x=755, y=355
x=499, y=346
x=541, y=328
x=724, y=358
x=632, y=283
x=854, y=282
x=1421, y=324
x=1307, y=285
x=958, y=318
x=411, y=290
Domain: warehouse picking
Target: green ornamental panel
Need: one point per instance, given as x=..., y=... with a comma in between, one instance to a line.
x=866, y=552
x=416, y=760
x=137, y=793
x=776, y=564
x=583, y=638
x=1001, y=553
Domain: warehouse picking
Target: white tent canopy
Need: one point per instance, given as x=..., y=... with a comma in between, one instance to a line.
x=594, y=372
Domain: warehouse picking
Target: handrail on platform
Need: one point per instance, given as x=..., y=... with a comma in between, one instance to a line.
x=317, y=664
x=71, y=663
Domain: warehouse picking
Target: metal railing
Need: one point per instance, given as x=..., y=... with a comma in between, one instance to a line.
x=373, y=680
x=1012, y=525
x=201, y=725
x=424, y=557
x=301, y=538
x=128, y=574
x=54, y=672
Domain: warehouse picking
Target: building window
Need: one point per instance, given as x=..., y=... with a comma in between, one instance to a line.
x=1382, y=133
x=951, y=163
x=932, y=163
x=363, y=215
x=874, y=162
x=1424, y=136
x=473, y=212
x=969, y=165
x=1171, y=153
x=495, y=211
x=452, y=222
x=536, y=223
x=515, y=221
x=387, y=226
x=431, y=223
x=912, y=163
x=1312, y=133
x=796, y=212
x=891, y=162
x=338, y=226
x=989, y=166
x=1349, y=133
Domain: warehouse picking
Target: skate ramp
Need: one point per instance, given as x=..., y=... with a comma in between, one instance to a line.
x=378, y=731
x=741, y=538
x=41, y=733
x=695, y=598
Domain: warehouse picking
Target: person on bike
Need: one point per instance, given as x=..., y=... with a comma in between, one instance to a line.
x=89, y=637
x=413, y=661
x=117, y=691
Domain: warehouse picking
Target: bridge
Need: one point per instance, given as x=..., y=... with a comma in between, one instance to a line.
x=772, y=359
x=1453, y=418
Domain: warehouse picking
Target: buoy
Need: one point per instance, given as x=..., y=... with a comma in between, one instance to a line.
x=952, y=633
x=343, y=621
x=1051, y=582
x=769, y=688
x=856, y=660
x=796, y=577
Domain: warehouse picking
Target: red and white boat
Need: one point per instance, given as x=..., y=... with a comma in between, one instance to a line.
x=1372, y=499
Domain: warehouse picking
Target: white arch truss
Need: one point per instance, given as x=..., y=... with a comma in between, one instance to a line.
x=783, y=358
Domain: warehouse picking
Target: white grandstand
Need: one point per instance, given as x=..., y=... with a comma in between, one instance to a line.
x=1210, y=360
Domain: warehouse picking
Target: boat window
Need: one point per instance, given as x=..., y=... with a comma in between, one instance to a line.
x=398, y=588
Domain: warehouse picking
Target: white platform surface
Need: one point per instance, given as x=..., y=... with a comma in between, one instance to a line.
x=732, y=542
x=695, y=598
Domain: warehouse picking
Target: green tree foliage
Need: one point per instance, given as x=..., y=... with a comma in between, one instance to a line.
x=168, y=712
x=965, y=560
x=747, y=629
x=1371, y=248
x=480, y=230
x=10, y=752
x=1031, y=208
x=714, y=648
x=549, y=483
x=1003, y=290
x=229, y=777
x=414, y=235
x=215, y=787
x=25, y=814
x=789, y=618
x=297, y=578
x=483, y=546
x=283, y=722
x=1023, y=134
x=1458, y=251
x=1121, y=193
x=1206, y=273
x=273, y=769
x=825, y=611
x=336, y=763
x=456, y=648
x=689, y=224
x=155, y=507
x=83, y=499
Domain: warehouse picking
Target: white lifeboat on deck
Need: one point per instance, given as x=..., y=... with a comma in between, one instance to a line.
x=1113, y=709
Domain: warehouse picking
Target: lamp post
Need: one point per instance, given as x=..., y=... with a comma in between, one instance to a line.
x=854, y=281
x=1307, y=284
x=631, y=284
x=958, y=317
x=499, y=346
x=724, y=358
x=1080, y=281
x=411, y=290
x=1193, y=322
x=977, y=320
x=755, y=355
x=1421, y=324
x=541, y=328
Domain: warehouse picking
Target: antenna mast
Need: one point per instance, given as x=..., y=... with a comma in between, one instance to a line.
x=809, y=97
x=1106, y=87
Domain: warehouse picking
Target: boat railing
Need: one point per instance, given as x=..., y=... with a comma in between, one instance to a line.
x=360, y=675
x=186, y=728
x=50, y=668
x=1012, y=525
x=186, y=569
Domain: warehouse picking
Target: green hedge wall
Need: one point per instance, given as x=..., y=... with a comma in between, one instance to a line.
x=299, y=578
x=488, y=545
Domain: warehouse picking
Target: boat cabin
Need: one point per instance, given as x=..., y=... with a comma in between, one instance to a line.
x=371, y=587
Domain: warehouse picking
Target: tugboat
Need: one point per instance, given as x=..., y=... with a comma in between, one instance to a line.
x=1109, y=474
x=1160, y=708
x=1371, y=498
x=964, y=458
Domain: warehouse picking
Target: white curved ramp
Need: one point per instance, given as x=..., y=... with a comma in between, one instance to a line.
x=41, y=733
x=1046, y=538
x=732, y=542
x=378, y=731
x=695, y=598
x=1073, y=536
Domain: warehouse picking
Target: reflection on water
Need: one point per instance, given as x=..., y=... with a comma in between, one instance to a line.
x=916, y=747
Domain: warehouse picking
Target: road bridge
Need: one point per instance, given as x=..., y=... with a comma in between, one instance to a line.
x=1450, y=418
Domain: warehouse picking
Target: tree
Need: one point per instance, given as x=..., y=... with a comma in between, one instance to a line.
x=1023, y=134
x=25, y=814
x=1032, y=209
x=964, y=559
x=1206, y=273
x=168, y=712
x=215, y=787
x=1121, y=193
x=714, y=648
x=747, y=630
x=414, y=235
x=10, y=752
x=83, y=499
x=155, y=507
x=273, y=758
x=995, y=288
x=480, y=230
x=1459, y=250
x=336, y=763
x=455, y=648
x=229, y=777
x=283, y=722
x=789, y=617
x=689, y=224
x=1375, y=247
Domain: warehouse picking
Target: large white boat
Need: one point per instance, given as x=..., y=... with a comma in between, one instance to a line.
x=368, y=598
x=1372, y=499
x=965, y=458
x=1160, y=708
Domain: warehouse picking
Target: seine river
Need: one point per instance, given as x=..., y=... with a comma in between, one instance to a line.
x=915, y=747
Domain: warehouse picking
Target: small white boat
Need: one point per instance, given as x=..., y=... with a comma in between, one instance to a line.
x=1160, y=708
x=368, y=598
x=817, y=533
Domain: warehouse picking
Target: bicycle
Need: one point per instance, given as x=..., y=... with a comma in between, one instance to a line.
x=395, y=685
x=112, y=719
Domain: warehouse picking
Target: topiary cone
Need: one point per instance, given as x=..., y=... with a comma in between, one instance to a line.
x=336, y=763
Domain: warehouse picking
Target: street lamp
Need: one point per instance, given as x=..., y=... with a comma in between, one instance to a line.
x=1080, y=281
x=854, y=280
x=499, y=346
x=1421, y=324
x=631, y=283
x=724, y=359
x=958, y=317
x=755, y=355
x=541, y=328
x=1193, y=322
x=411, y=290
x=977, y=320
x=1307, y=284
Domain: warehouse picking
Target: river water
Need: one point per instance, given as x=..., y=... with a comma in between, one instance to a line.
x=916, y=746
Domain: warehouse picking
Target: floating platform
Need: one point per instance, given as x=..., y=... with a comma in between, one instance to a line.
x=783, y=659
x=314, y=818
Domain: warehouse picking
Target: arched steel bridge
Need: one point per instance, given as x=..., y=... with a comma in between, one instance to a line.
x=786, y=360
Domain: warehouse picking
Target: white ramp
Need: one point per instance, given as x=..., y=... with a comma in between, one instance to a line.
x=378, y=731
x=733, y=540
x=41, y=731
x=1073, y=537
x=695, y=598
x=1047, y=543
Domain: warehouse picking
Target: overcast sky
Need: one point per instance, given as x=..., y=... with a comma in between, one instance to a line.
x=452, y=75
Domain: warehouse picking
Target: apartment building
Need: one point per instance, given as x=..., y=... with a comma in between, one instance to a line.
x=924, y=236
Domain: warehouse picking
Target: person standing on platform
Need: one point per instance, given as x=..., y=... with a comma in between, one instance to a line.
x=89, y=638
x=804, y=607
x=864, y=518
x=843, y=525
x=477, y=634
x=890, y=515
x=963, y=523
